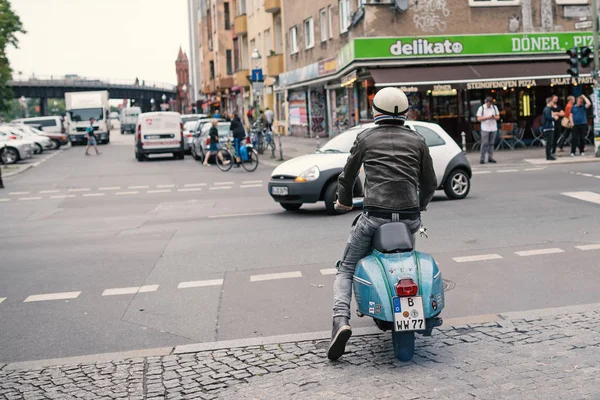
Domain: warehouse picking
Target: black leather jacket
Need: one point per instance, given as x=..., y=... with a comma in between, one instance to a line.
x=398, y=168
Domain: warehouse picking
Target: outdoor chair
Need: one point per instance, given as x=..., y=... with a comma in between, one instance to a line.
x=507, y=136
x=476, y=133
x=519, y=136
x=537, y=137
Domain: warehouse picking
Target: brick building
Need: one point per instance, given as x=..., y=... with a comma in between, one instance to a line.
x=182, y=97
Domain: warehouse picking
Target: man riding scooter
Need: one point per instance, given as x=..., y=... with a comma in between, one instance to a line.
x=399, y=184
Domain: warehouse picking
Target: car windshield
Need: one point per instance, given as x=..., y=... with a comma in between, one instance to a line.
x=189, y=118
x=84, y=114
x=341, y=143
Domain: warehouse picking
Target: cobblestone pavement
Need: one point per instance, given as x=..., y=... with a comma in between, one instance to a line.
x=552, y=355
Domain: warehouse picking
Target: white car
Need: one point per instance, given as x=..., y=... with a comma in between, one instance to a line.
x=41, y=143
x=313, y=177
x=13, y=149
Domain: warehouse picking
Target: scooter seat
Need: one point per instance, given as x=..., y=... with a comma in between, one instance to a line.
x=393, y=237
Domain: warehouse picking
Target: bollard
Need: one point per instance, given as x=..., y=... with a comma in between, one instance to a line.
x=1, y=163
x=464, y=142
x=280, y=148
x=318, y=141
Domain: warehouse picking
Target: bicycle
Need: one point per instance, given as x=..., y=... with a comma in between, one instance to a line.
x=227, y=153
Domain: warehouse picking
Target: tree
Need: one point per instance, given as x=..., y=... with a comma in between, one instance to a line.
x=10, y=25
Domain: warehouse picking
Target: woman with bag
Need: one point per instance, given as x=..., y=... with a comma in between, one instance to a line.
x=580, y=125
x=566, y=124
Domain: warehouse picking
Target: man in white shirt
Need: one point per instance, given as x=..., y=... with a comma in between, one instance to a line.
x=488, y=116
x=270, y=117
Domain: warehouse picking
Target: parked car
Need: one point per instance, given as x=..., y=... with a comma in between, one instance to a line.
x=41, y=142
x=48, y=124
x=188, y=133
x=159, y=133
x=115, y=122
x=56, y=139
x=13, y=149
x=192, y=117
x=200, y=142
x=313, y=177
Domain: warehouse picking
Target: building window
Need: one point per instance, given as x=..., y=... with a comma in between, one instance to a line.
x=229, y=57
x=212, y=69
x=241, y=7
x=237, y=62
x=345, y=15
x=293, y=40
x=268, y=46
x=323, y=21
x=571, y=2
x=494, y=3
x=245, y=54
x=330, y=17
x=309, y=33
x=227, y=16
x=361, y=3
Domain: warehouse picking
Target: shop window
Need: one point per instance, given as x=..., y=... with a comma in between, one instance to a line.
x=366, y=92
x=293, y=39
x=309, y=33
x=344, y=7
x=494, y=3
x=323, y=22
x=431, y=138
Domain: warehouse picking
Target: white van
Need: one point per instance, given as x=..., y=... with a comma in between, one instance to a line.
x=129, y=118
x=48, y=124
x=159, y=133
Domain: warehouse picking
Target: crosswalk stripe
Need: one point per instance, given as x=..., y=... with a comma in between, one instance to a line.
x=189, y=190
x=18, y=193
x=130, y=290
x=251, y=186
x=584, y=196
x=481, y=257
x=49, y=191
x=2, y=299
x=110, y=188
x=220, y=188
x=250, y=182
x=125, y=193
x=4, y=200
x=507, y=170
x=159, y=191
x=481, y=172
x=165, y=186
x=29, y=198
x=80, y=190
x=329, y=271
x=138, y=187
x=534, y=169
x=586, y=247
x=63, y=196
x=194, y=284
x=194, y=184
x=270, y=277
x=588, y=175
x=539, y=252
x=94, y=194
x=222, y=183
x=52, y=296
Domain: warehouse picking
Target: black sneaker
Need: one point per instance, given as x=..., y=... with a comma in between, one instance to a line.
x=551, y=159
x=339, y=337
x=481, y=162
x=492, y=161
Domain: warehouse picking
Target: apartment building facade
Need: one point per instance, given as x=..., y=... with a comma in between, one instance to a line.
x=447, y=55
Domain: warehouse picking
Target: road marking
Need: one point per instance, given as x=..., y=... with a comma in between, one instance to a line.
x=130, y=290
x=250, y=186
x=2, y=299
x=79, y=190
x=250, y=182
x=18, y=193
x=237, y=215
x=585, y=196
x=194, y=284
x=329, y=271
x=110, y=188
x=270, y=277
x=223, y=183
x=48, y=191
x=539, y=252
x=29, y=198
x=588, y=175
x=125, y=193
x=52, y=296
x=63, y=196
x=165, y=186
x=94, y=194
x=138, y=187
x=159, y=191
x=194, y=184
x=189, y=190
x=502, y=171
x=481, y=257
x=534, y=169
x=586, y=247
x=3, y=200
x=481, y=172
x=597, y=176
x=220, y=188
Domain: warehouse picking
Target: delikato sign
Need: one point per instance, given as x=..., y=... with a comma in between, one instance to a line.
x=469, y=45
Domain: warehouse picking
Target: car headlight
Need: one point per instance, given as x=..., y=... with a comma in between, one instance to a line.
x=311, y=174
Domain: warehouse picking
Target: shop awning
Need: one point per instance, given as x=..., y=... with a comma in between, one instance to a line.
x=456, y=74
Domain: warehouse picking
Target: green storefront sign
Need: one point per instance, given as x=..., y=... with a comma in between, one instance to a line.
x=469, y=45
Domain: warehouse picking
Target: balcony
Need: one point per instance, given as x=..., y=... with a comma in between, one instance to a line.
x=273, y=6
x=275, y=64
x=240, y=24
x=241, y=78
x=225, y=83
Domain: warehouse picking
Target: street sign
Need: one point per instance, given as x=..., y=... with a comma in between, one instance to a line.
x=258, y=86
x=583, y=25
x=257, y=75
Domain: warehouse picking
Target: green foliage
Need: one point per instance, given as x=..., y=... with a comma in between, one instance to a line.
x=10, y=25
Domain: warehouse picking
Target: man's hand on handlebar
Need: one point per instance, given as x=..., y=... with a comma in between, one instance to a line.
x=340, y=206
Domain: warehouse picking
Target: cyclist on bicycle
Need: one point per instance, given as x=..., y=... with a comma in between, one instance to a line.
x=239, y=134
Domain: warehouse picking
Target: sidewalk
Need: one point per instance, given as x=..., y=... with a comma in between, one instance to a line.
x=540, y=354
x=292, y=147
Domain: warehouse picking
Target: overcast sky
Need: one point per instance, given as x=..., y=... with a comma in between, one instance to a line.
x=120, y=39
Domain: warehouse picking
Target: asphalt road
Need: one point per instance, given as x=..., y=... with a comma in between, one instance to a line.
x=105, y=254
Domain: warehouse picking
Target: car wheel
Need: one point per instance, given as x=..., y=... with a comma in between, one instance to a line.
x=195, y=154
x=139, y=157
x=10, y=155
x=330, y=199
x=38, y=148
x=457, y=185
x=291, y=206
x=54, y=144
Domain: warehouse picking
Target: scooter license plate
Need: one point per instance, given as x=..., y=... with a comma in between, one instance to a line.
x=408, y=314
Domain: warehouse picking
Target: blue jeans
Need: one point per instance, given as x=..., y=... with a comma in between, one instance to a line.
x=238, y=147
x=357, y=248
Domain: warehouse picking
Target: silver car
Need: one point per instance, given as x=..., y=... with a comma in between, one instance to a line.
x=41, y=143
x=13, y=149
x=200, y=144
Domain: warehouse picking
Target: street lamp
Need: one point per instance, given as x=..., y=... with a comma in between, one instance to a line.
x=23, y=104
x=184, y=88
x=152, y=104
x=55, y=109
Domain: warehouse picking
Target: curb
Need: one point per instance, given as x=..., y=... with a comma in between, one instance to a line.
x=21, y=170
x=501, y=319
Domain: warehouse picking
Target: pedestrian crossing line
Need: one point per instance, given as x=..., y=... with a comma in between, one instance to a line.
x=63, y=196
x=138, y=187
x=79, y=190
x=2, y=299
x=189, y=190
x=250, y=182
x=165, y=186
x=194, y=184
x=591, y=197
x=223, y=183
x=481, y=172
x=29, y=198
x=49, y=191
x=539, y=252
x=587, y=247
x=534, y=169
x=588, y=175
x=18, y=193
x=52, y=296
x=481, y=257
x=270, y=277
x=4, y=200
x=251, y=186
x=94, y=194
x=130, y=290
x=159, y=191
x=502, y=171
x=125, y=193
x=220, y=187
x=110, y=188
x=329, y=271
x=597, y=176
x=195, y=284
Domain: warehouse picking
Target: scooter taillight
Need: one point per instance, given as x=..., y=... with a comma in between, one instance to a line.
x=407, y=288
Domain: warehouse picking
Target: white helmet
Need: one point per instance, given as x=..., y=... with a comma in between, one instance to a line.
x=390, y=104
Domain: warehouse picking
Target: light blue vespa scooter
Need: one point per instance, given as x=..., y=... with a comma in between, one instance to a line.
x=400, y=288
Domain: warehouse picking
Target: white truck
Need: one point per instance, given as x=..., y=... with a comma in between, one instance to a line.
x=129, y=119
x=81, y=106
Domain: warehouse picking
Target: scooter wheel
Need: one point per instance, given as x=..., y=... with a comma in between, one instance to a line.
x=404, y=345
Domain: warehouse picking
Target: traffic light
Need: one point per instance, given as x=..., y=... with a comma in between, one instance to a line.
x=573, y=62
x=586, y=56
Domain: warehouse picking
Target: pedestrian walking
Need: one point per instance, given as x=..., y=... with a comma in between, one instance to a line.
x=566, y=124
x=549, y=118
x=488, y=116
x=557, y=122
x=91, y=138
x=578, y=119
x=250, y=116
x=213, y=149
x=270, y=117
